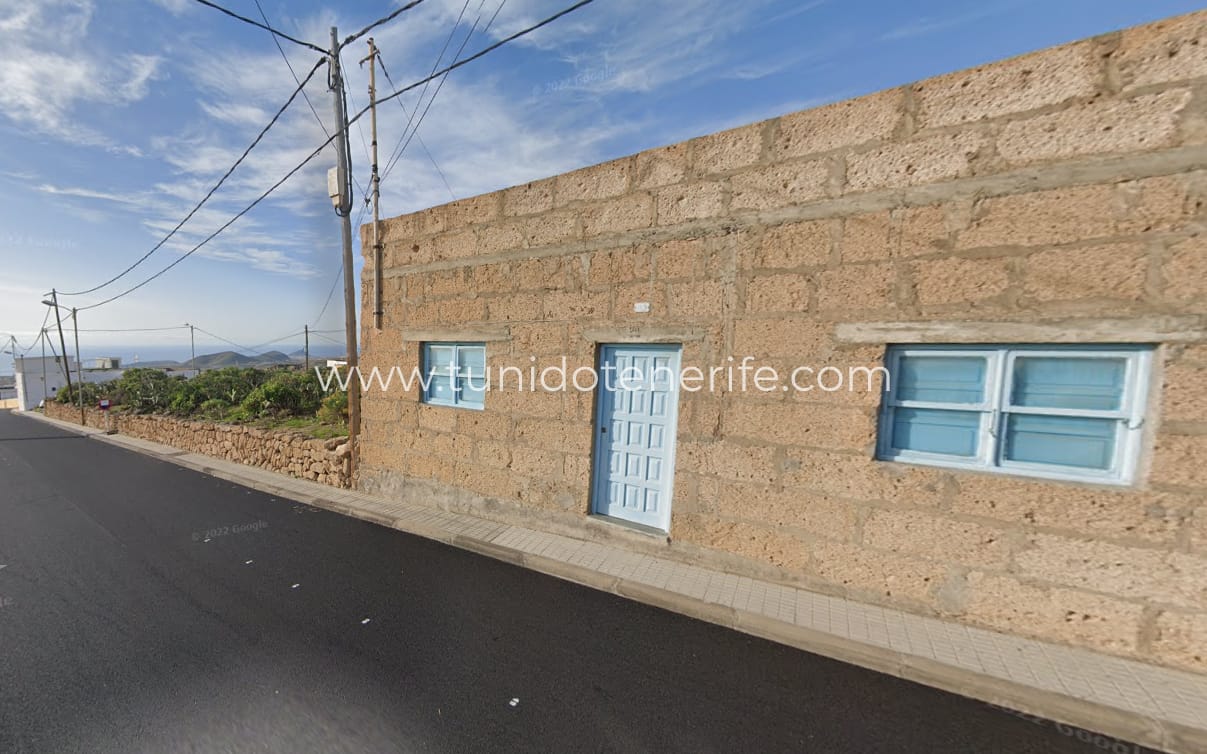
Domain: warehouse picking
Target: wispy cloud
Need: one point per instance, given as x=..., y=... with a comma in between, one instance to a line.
x=47, y=71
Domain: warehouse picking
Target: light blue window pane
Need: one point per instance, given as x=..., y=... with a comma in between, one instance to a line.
x=440, y=388
x=936, y=431
x=941, y=379
x=1053, y=382
x=472, y=357
x=1061, y=440
x=473, y=389
x=437, y=357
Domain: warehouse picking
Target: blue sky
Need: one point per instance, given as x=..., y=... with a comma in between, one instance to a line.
x=115, y=117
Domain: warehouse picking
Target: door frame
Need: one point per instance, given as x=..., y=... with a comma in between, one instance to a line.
x=603, y=403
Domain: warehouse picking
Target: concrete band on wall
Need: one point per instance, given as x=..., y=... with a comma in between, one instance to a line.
x=1063, y=193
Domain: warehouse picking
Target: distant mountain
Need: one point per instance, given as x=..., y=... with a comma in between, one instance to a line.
x=221, y=360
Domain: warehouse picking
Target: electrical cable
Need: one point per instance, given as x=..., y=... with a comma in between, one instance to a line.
x=422, y=144
x=211, y=192
x=259, y=25
x=385, y=19
x=484, y=51
x=403, y=145
x=298, y=81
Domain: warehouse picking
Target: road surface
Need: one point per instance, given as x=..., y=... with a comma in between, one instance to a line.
x=148, y=608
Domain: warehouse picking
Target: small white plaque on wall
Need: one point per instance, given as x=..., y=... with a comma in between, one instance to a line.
x=641, y=307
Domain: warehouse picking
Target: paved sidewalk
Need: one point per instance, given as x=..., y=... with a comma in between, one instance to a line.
x=1154, y=706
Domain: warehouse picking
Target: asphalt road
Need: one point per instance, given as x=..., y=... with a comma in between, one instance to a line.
x=122, y=629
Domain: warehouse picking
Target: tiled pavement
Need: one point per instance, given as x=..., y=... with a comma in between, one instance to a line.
x=1155, y=706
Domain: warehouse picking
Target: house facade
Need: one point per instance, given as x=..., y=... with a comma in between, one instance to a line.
x=942, y=347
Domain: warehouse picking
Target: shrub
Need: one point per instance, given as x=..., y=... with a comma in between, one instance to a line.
x=92, y=392
x=214, y=408
x=334, y=409
x=143, y=389
x=285, y=393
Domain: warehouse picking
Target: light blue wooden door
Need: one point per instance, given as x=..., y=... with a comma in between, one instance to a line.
x=636, y=417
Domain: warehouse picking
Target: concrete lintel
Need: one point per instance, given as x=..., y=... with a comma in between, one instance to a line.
x=644, y=334
x=484, y=334
x=1139, y=330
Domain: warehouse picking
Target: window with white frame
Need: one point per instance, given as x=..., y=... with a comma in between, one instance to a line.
x=454, y=374
x=1061, y=412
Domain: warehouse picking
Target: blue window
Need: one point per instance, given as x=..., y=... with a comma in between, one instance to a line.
x=454, y=374
x=1059, y=412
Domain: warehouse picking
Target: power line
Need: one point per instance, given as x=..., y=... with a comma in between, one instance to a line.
x=142, y=329
x=224, y=340
x=263, y=26
x=439, y=58
x=342, y=130
x=335, y=283
x=385, y=19
x=422, y=144
x=404, y=144
x=211, y=192
x=484, y=51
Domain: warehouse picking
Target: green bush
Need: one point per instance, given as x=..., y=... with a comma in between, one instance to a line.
x=214, y=408
x=92, y=393
x=334, y=409
x=285, y=393
x=146, y=390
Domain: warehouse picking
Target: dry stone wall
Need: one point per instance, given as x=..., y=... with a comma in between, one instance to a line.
x=282, y=451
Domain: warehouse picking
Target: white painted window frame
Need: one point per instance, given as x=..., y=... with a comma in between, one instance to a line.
x=995, y=406
x=450, y=369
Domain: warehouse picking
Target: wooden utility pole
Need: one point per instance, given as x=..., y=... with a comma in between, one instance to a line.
x=192, y=348
x=375, y=185
x=54, y=304
x=79, y=368
x=344, y=210
x=306, y=329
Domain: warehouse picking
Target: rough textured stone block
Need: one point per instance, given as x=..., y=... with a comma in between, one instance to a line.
x=618, y=215
x=777, y=293
x=798, y=424
x=728, y=150
x=592, y=184
x=661, y=167
x=1178, y=459
x=1181, y=640
x=885, y=575
x=1171, y=50
x=957, y=280
x=1042, y=217
x=1116, y=271
x=868, y=238
x=928, y=160
x=528, y=199
x=691, y=201
x=1104, y=127
x=939, y=539
x=1065, y=616
x=823, y=516
x=841, y=124
x=760, y=543
x=856, y=287
x=1185, y=270
x=1078, y=509
x=803, y=244
x=779, y=186
x=1043, y=78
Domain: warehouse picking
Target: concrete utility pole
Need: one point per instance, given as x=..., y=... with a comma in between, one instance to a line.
x=344, y=210
x=54, y=304
x=192, y=348
x=42, y=338
x=79, y=368
x=306, y=329
x=376, y=185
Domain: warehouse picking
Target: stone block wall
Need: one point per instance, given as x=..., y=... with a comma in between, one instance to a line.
x=1056, y=197
x=282, y=451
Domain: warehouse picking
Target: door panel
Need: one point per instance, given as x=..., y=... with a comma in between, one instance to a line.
x=635, y=433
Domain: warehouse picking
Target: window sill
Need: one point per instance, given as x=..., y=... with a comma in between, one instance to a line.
x=1114, y=483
